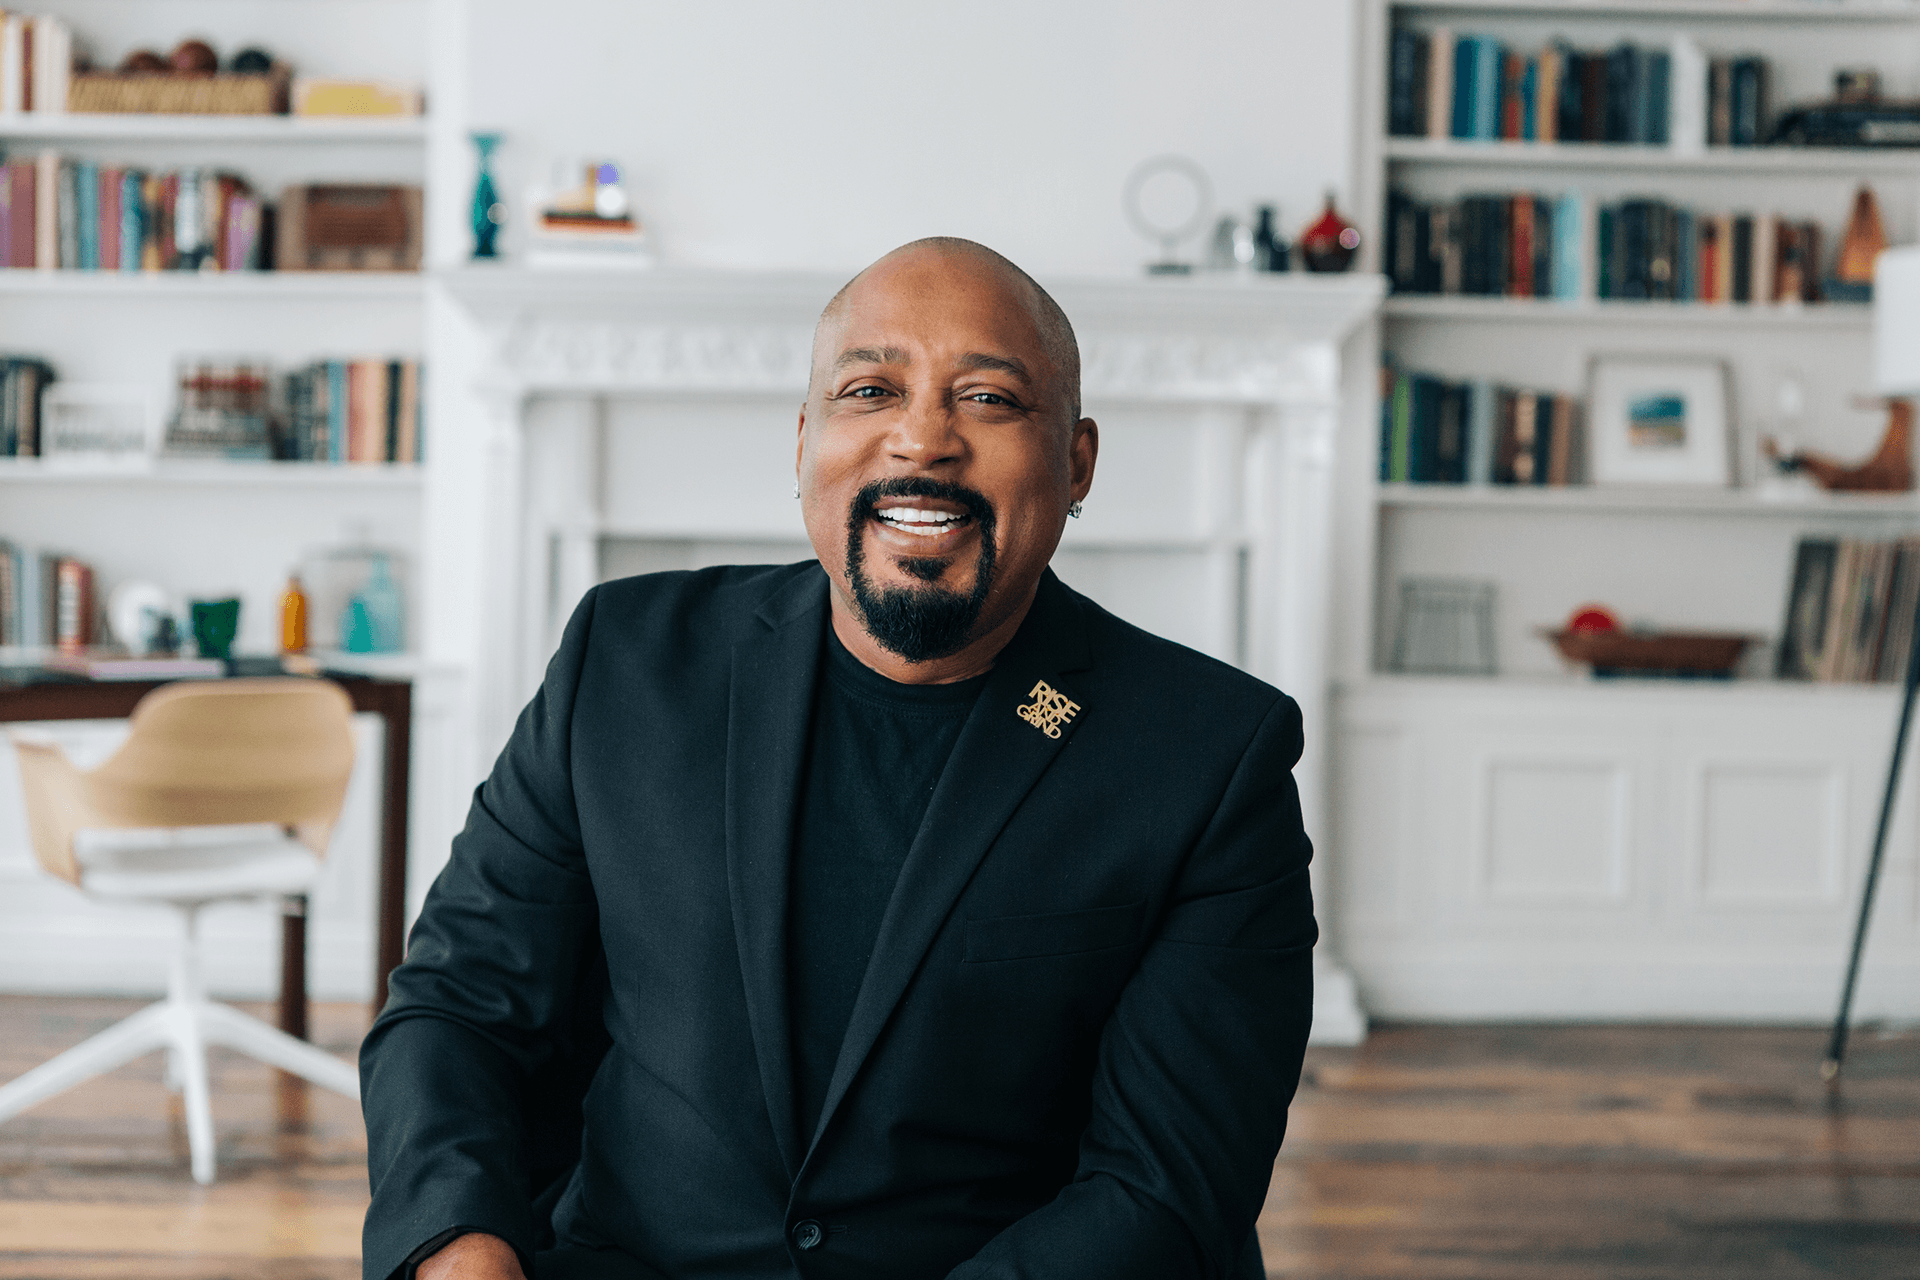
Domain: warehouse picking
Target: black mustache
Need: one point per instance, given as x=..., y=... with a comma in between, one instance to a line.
x=973, y=501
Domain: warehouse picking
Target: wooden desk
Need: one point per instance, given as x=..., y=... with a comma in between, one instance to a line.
x=390, y=699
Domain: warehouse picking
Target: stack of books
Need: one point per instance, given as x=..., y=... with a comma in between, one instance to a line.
x=22, y=380
x=76, y=215
x=1526, y=245
x=46, y=599
x=1850, y=610
x=1438, y=432
x=354, y=411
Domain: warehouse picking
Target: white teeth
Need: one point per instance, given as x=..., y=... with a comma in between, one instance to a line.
x=903, y=516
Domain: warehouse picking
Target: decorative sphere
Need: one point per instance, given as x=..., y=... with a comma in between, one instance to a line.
x=252, y=62
x=194, y=58
x=143, y=60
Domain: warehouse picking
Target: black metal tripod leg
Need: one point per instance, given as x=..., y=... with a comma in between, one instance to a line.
x=1837, y=1043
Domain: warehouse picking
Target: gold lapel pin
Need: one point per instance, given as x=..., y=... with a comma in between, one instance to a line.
x=1049, y=709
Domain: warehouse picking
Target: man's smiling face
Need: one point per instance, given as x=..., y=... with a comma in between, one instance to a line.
x=938, y=450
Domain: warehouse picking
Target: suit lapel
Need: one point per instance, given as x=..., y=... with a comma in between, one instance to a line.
x=995, y=762
x=768, y=710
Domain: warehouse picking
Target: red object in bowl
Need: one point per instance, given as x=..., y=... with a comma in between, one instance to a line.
x=1593, y=617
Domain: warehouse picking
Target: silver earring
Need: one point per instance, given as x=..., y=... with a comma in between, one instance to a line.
x=796, y=488
x=1073, y=510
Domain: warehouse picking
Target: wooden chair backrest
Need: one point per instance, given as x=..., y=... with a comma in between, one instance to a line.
x=208, y=753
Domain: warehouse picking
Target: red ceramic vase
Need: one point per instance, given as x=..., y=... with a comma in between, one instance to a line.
x=1330, y=243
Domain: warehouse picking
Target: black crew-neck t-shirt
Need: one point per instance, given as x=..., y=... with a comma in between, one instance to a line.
x=875, y=752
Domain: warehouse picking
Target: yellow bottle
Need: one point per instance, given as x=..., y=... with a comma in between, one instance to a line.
x=293, y=617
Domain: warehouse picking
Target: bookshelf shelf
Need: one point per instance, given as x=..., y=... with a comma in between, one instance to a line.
x=198, y=128
x=1595, y=156
x=1812, y=11
x=370, y=285
x=1643, y=501
x=1820, y=316
x=212, y=471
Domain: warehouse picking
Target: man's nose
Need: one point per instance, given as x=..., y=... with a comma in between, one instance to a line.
x=926, y=434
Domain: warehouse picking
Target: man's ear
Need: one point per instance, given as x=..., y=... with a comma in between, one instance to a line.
x=1082, y=452
x=800, y=444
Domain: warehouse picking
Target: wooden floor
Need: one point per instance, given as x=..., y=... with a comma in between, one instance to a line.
x=1484, y=1153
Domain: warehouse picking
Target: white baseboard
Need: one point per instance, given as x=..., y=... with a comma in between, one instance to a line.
x=1623, y=990
x=1337, y=1016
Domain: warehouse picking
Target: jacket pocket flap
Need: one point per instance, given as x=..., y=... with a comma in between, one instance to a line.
x=1055, y=934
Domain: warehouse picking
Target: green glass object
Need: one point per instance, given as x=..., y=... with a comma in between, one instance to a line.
x=356, y=628
x=215, y=623
x=487, y=210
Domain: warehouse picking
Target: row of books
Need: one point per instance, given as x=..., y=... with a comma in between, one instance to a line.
x=1524, y=245
x=1437, y=432
x=1440, y=85
x=77, y=215
x=22, y=379
x=1652, y=249
x=36, y=62
x=46, y=599
x=1473, y=87
x=1850, y=610
x=1518, y=245
x=354, y=411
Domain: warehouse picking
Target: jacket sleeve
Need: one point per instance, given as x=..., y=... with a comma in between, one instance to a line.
x=474, y=1069
x=1199, y=1059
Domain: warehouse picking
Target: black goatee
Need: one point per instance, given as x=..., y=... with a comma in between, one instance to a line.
x=919, y=624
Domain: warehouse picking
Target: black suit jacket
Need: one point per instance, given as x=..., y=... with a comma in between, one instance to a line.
x=1075, y=1044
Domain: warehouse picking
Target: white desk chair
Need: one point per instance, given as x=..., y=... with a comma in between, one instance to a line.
x=164, y=821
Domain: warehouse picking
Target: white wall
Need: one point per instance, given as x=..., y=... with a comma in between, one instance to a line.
x=814, y=135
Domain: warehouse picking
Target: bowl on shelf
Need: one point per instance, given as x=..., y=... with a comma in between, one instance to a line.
x=1698, y=654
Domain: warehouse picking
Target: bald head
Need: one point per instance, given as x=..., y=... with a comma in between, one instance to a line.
x=1062, y=350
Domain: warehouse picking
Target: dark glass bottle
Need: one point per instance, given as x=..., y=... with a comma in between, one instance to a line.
x=1269, y=243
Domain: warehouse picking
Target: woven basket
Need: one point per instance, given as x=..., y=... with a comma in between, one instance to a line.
x=115, y=93
x=1699, y=652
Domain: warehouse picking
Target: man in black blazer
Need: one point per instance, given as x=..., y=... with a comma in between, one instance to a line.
x=900, y=915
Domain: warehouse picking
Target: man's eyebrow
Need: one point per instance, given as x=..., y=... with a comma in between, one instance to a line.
x=1000, y=364
x=871, y=355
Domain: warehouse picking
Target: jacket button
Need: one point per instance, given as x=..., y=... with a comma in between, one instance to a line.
x=808, y=1234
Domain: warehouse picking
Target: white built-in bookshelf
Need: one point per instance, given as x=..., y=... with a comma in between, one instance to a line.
x=1546, y=343
x=190, y=524
x=1542, y=843
x=206, y=527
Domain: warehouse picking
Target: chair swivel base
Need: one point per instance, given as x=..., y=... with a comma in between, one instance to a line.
x=184, y=1024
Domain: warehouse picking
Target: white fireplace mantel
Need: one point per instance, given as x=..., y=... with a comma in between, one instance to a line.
x=657, y=409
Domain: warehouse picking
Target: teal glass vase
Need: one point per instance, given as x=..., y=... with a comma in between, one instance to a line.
x=488, y=212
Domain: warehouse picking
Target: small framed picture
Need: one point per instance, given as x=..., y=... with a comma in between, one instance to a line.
x=1660, y=420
